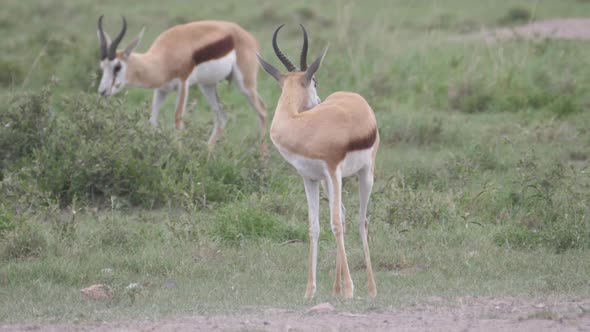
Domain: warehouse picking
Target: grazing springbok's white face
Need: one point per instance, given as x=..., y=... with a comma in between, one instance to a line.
x=112, y=63
x=113, y=76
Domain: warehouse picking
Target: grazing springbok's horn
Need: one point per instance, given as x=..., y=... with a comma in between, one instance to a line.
x=103, y=39
x=280, y=55
x=117, y=40
x=303, y=59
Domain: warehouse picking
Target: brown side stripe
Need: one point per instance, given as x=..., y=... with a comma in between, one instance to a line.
x=364, y=142
x=214, y=50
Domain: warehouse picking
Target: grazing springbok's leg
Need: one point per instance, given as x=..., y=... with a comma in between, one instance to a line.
x=220, y=118
x=181, y=103
x=312, y=192
x=365, y=177
x=335, y=189
x=158, y=100
x=247, y=86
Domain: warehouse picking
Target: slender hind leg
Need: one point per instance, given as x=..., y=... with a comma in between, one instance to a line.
x=365, y=186
x=335, y=189
x=312, y=192
x=210, y=93
x=337, y=288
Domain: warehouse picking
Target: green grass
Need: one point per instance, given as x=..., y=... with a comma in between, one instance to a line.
x=482, y=182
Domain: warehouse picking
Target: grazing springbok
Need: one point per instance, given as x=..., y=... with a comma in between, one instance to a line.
x=203, y=53
x=325, y=141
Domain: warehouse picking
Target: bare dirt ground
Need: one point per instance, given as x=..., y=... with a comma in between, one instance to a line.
x=466, y=314
x=570, y=28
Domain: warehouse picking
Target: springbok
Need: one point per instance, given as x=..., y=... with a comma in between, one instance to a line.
x=325, y=141
x=203, y=53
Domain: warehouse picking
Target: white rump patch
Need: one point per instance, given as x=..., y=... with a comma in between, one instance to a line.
x=213, y=71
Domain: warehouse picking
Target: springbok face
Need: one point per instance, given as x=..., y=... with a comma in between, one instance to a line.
x=113, y=63
x=302, y=79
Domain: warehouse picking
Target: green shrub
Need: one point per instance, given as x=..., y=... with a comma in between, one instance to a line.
x=470, y=97
x=11, y=73
x=516, y=15
x=398, y=204
x=94, y=148
x=518, y=237
x=24, y=121
x=550, y=207
x=250, y=220
x=113, y=234
x=559, y=236
x=7, y=220
x=27, y=240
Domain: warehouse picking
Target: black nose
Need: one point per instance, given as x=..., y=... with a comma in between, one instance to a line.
x=102, y=92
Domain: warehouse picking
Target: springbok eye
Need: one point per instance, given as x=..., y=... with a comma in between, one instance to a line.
x=117, y=68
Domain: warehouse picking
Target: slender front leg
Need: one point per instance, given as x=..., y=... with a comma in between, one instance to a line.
x=365, y=186
x=335, y=190
x=181, y=103
x=336, y=288
x=312, y=191
x=157, y=101
x=210, y=93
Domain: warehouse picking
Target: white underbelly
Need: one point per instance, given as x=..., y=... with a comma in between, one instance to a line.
x=313, y=169
x=317, y=169
x=213, y=71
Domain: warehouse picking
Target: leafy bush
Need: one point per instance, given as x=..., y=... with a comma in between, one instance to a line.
x=550, y=207
x=399, y=204
x=24, y=120
x=7, y=221
x=93, y=149
x=27, y=240
x=248, y=220
x=516, y=15
x=11, y=73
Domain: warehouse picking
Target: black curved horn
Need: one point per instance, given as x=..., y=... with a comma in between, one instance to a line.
x=280, y=55
x=117, y=40
x=103, y=39
x=303, y=59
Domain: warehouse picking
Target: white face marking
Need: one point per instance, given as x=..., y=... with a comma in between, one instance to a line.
x=113, y=76
x=313, y=99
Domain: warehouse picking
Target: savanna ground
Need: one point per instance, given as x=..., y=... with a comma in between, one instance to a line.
x=479, y=217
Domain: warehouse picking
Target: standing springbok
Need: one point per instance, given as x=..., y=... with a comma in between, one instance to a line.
x=325, y=142
x=202, y=53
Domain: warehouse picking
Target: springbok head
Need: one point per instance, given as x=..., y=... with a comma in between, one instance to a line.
x=296, y=79
x=113, y=63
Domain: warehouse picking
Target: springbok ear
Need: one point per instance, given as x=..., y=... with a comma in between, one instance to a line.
x=129, y=49
x=270, y=69
x=313, y=68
